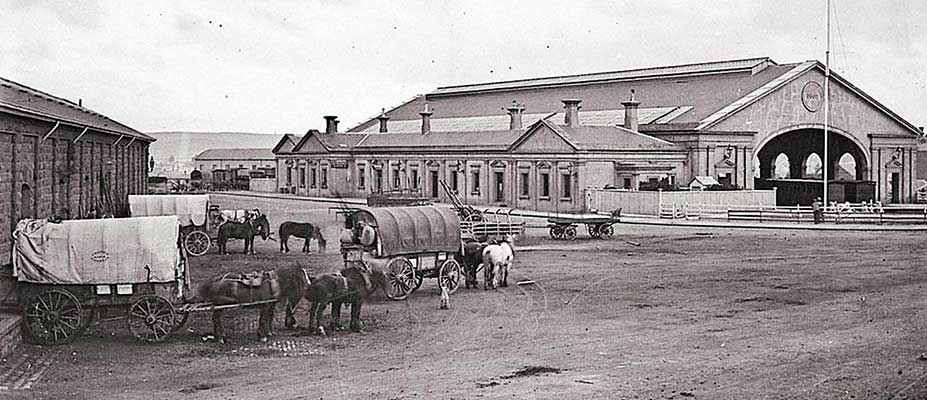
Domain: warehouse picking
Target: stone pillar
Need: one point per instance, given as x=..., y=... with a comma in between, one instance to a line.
x=710, y=160
x=748, y=168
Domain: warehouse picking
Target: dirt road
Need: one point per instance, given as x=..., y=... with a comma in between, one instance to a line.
x=689, y=313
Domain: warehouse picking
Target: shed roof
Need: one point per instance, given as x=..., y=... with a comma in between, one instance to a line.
x=235, y=154
x=20, y=99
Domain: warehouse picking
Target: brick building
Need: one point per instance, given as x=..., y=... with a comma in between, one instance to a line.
x=58, y=158
x=730, y=120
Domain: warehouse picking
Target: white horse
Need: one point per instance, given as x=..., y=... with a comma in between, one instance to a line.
x=497, y=260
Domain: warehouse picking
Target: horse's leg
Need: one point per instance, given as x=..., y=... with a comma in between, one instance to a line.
x=246, y=245
x=283, y=246
x=318, y=317
x=289, y=305
x=218, y=332
x=505, y=274
x=306, y=245
x=355, y=316
x=335, y=324
x=313, y=320
x=487, y=276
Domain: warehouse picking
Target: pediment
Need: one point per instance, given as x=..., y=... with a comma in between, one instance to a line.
x=542, y=139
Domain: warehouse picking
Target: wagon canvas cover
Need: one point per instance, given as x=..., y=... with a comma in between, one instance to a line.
x=409, y=230
x=96, y=251
x=191, y=209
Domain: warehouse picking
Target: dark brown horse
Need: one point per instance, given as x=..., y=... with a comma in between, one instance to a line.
x=304, y=230
x=294, y=286
x=244, y=230
x=236, y=288
x=471, y=258
x=353, y=285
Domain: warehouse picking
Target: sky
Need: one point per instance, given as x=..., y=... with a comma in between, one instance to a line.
x=279, y=66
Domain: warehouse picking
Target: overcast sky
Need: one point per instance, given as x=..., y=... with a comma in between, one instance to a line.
x=279, y=66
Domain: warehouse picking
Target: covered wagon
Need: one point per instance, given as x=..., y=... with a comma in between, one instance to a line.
x=198, y=219
x=412, y=243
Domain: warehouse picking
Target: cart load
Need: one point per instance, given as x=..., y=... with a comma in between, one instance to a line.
x=96, y=251
x=412, y=243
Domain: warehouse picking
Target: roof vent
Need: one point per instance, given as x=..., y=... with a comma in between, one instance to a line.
x=383, y=118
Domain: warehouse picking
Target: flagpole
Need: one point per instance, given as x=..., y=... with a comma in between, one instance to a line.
x=826, y=101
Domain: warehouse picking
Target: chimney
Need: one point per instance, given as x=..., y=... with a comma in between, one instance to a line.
x=383, y=120
x=80, y=103
x=426, y=119
x=571, y=115
x=630, y=112
x=515, y=113
x=331, y=123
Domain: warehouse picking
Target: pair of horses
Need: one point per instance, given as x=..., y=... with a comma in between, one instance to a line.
x=495, y=258
x=258, y=225
x=352, y=285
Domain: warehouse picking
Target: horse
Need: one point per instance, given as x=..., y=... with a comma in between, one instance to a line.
x=352, y=285
x=497, y=260
x=244, y=230
x=304, y=230
x=471, y=258
x=294, y=286
x=237, y=288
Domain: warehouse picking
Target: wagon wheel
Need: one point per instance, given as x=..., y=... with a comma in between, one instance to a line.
x=569, y=233
x=592, y=230
x=450, y=275
x=197, y=243
x=402, y=278
x=151, y=318
x=556, y=232
x=54, y=317
x=606, y=231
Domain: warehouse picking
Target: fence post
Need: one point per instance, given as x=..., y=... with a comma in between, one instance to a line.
x=660, y=199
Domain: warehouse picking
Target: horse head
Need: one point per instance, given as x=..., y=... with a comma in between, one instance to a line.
x=261, y=226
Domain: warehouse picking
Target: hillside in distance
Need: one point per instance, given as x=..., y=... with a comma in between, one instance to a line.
x=184, y=145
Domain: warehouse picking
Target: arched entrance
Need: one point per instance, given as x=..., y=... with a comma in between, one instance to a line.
x=848, y=168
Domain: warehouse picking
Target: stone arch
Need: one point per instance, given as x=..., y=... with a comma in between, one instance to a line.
x=818, y=127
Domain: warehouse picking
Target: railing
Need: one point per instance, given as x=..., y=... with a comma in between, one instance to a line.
x=864, y=213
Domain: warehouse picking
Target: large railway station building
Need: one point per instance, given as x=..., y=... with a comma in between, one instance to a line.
x=539, y=143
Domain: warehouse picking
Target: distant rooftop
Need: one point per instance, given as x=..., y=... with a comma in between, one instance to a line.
x=235, y=154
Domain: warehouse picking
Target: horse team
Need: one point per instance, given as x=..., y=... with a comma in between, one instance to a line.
x=352, y=285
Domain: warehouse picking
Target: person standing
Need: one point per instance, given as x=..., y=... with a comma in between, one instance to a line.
x=818, y=212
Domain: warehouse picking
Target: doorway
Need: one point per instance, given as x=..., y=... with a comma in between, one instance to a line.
x=895, y=188
x=433, y=177
x=500, y=186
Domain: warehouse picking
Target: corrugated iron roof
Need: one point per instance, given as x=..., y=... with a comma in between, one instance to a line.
x=599, y=77
x=19, y=98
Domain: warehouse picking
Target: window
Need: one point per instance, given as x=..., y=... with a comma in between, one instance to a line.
x=545, y=185
x=289, y=176
x=434, y=183
x=525, y=185
x=397, y=181
x=499, y=180
x=361, y=176
x=379, y=180
x=214, y=166
x=302, y=176
x=202, y=166
x=313, y=177
x=253, y=166
x=627, y=183
x=241, y=165
x=414, y=179
x=323, y=182
x=566, y=186
x=476, y=182
x=455, y=181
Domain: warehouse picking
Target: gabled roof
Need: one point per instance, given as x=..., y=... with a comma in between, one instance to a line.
x=786, y=78
x=286, y=143
x=687, y=93
x=235, y=154
x=16, y=98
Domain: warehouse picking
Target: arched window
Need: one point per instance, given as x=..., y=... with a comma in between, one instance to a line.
x=781, y=167
x=813, y=167
x=846, y=168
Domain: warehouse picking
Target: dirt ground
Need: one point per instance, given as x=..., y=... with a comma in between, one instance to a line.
x=653, y=313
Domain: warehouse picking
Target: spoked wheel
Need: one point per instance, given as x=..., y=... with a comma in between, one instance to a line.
x=450, y=276
x=556, y=232
x=151, y=318
x=592, y=230
x=54, y=317
x=606, y=231
x=402, y=278
x=196, y=243
x=569, y=233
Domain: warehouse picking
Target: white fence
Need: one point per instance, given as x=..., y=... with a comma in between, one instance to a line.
x=655, y=203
